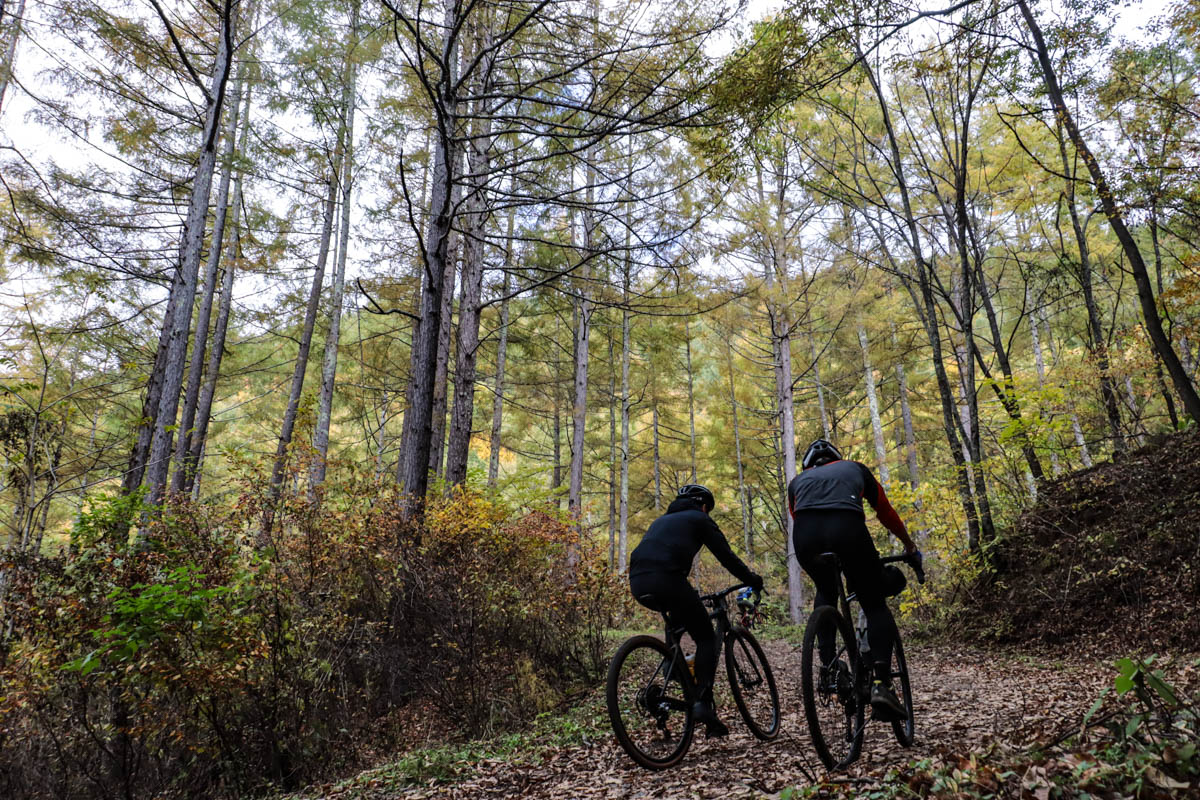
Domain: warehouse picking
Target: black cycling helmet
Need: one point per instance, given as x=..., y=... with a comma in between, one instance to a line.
x=818, y=453
x=701, y=494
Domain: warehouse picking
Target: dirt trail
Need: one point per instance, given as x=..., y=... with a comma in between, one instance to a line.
x=966, y=700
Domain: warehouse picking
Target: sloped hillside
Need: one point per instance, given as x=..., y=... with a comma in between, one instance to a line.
x=1109, y=557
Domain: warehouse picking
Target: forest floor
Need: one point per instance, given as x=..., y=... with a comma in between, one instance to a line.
x=993, y=703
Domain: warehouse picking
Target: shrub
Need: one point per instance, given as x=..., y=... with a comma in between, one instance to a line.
x=212, y=663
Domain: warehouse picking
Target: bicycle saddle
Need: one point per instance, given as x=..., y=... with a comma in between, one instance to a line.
x=828, y=560
x=650, y=601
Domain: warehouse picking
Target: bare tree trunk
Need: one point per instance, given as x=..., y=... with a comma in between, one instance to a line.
x=298, y=373
x=743, y=500
x=1040, y=365
x=413, y=469
x=626, y=347
x=910, y=439
x=873, y=407
x=579, y=407
x=333, y=334
x=501, y=355
x=178, y=320
x=1150, y=316
x=12, y=37
x=441, y=381
x=687, y=344
x=556, y=475
x=816, y=369
x=612, y=451
x=657, y=460
x=200, y=340
x=216, y=352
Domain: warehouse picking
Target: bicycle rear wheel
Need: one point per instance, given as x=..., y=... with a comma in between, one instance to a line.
x=832, y=702
x=752, y=684
x=650, y=710
x=904, y=728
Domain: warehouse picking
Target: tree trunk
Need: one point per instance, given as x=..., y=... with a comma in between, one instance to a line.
x=1153, y=322
x=441, y=381
x=413, y=469
x=1040, y=365
x=816, y=368
x=10, y=47
x=626, y=347
x=178, y=320
x=873, y=407
x=691, y=383
x=743, y=500
x=306, y=334
x=657, y=460
x=216, y=352
x=471, y=302
x=501, y=355
x=334, y=333
x=910, y=440
x=200, y=340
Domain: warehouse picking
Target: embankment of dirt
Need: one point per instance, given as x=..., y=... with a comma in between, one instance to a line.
x=1107, y=559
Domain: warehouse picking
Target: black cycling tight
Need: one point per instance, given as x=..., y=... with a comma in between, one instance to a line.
x=845, y=533
x=674, y=595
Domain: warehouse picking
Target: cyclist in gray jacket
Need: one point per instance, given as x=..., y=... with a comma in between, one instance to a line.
x=826, y=504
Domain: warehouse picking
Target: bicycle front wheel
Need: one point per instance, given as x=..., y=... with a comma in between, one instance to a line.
x=904, y=728
x=752, y=683
x=829, y=667
x=649, y=703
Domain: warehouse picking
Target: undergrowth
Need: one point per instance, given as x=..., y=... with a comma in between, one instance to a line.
x=218, y=656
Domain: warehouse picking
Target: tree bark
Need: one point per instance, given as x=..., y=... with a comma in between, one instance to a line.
x=177, y=324
x=306, y=335
x=216, y=353
x=626, y=347
x=203, y=318
x=470, y=303
x=10, y=48
x=910, y=440
x=413, y=469
x=501, y=355
x=333, y=333
x=743, y=500
x=873, y=407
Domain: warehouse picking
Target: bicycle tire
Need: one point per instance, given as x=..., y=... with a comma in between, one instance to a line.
x=905, y=728
x=835, y=711
x=650, y=712
x=752, y=683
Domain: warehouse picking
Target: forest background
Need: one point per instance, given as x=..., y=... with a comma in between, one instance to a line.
x=317, y=313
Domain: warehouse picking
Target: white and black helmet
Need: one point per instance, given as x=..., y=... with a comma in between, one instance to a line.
x=694, y=491
x=818, y=453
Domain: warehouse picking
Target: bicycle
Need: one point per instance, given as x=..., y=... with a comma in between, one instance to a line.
x=837, y=693
x=650, y=688
x=749, y=614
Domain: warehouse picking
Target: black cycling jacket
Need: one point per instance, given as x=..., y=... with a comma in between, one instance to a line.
x=672, y=541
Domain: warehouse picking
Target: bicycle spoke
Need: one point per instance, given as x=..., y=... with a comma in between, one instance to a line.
x=752, y=685
x=650, y=710
x=832, y=701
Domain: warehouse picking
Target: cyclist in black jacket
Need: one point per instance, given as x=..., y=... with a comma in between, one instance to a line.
x=826, y=503
x=658, y=578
